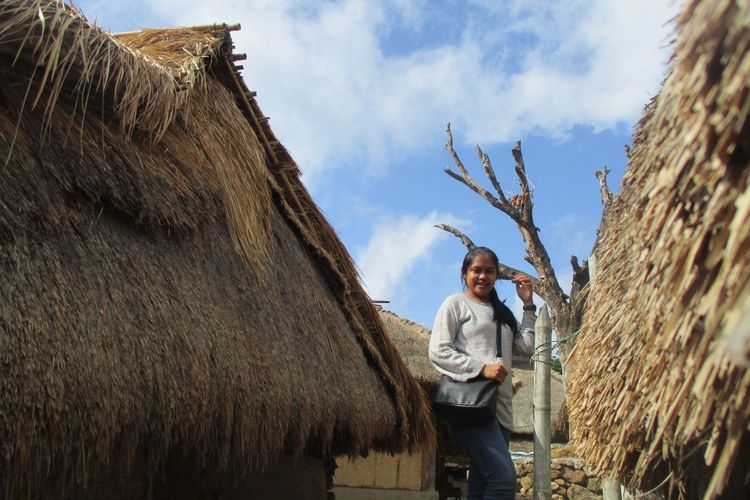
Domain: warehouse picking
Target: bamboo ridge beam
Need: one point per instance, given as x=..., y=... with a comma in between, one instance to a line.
x=216, y=27
x=202, y=27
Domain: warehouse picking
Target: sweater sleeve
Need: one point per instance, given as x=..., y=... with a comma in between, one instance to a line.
x=523, y=344
x=445, y=357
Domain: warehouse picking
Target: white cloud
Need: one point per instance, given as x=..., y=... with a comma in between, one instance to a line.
x=586, y=63
x=338, y=99
x=395, y=246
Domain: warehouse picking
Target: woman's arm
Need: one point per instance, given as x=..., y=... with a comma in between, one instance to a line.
x=445, y=357
x=523, y=343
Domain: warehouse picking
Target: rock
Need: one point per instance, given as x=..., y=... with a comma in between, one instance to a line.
x=522, y=464
x=594, y=484
x=526, y=482
x=576, y=476
x=562, y=451
x=555, y=496
x=581, y=493
x=525, y=494
x=561, y=482
x=555, y=474
x=555, y=465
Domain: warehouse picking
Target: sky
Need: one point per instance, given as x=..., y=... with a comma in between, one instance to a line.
x=360, y=92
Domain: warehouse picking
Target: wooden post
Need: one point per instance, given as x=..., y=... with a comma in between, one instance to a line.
x=542, y=406
x=611, y=489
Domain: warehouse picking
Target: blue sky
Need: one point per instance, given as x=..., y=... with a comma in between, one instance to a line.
x=360, y=92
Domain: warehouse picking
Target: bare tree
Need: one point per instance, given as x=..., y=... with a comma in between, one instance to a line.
x=566, y=309
x=606, y=194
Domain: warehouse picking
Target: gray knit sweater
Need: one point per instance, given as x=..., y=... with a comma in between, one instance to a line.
x=463, y=340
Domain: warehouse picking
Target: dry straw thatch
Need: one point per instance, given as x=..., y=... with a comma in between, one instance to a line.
x=412, y=341
x=169, y=287
x=655, y=395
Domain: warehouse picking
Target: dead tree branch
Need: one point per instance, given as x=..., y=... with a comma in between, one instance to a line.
x=523, y=180
x=490, y=173
x=503, y=272
x=580, y=276
x=520, y=209
x=577, y=296
x=458, y=234
x=606, y=193
x=465, y=178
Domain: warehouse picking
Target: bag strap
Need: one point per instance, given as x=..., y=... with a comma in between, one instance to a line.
x=499, y=339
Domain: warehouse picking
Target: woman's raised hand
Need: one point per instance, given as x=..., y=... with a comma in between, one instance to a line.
x=524, y=289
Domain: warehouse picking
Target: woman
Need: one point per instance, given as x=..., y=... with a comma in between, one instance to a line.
x=463, y=345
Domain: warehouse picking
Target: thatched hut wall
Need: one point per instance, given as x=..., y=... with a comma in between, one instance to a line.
x=655, y=395
x=169, y=287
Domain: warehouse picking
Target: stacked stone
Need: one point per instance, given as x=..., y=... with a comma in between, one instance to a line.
x=570, y=479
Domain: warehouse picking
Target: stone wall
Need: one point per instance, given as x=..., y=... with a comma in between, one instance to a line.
x=570, y=479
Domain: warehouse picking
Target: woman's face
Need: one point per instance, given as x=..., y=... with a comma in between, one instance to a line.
x=480, y=277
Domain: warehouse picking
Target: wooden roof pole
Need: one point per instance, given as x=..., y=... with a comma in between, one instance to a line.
x=254, y=119
x=203, y=27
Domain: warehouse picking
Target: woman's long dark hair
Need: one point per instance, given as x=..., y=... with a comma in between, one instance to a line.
x=502, y=313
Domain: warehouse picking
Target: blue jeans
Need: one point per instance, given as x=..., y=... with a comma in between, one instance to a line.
x=492, y=474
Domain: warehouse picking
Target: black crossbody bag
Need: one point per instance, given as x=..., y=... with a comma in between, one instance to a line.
x=470, y=402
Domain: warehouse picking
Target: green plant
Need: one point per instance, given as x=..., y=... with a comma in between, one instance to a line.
x=556, y=365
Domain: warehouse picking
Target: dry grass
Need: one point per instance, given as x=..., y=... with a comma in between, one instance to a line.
x=414, y=426
x=653, y=387
x=165, y=281
x=150, y=89
x=150, y=79
x=116, y=343
x=412, y=341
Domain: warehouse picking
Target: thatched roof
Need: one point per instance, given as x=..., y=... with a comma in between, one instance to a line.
x=412, y=341
x=168, y=284
x=655, y=395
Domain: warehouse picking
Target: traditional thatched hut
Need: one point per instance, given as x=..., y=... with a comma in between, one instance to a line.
x=177, y=318
x=655, y=395
x=383, y=474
